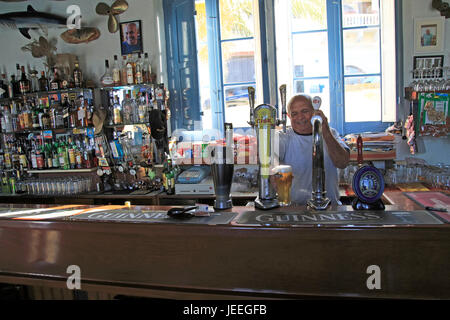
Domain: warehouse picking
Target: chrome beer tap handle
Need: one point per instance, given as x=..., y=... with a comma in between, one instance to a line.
x=251, y=100
x=318, y=200
x=283, y=106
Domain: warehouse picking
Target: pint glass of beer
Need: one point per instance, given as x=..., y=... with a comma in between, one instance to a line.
x=283, y=181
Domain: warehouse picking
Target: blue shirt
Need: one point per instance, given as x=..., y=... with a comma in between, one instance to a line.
x=127, y=48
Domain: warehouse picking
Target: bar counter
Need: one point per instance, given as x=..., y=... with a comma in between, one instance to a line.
x=186, y=259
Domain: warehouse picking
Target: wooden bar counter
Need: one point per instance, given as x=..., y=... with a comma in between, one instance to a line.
x=188, y=260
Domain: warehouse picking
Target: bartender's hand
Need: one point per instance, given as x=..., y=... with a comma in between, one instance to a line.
x=324, y=119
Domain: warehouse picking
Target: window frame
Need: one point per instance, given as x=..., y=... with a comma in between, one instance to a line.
x=265, y=41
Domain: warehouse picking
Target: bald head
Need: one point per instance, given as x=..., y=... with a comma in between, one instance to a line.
x=300, y=111
x=306, y=99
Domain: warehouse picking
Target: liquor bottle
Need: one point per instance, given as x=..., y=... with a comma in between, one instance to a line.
x=52, y=113
x=43, y=82
x=123, y=71
x=48, y=156
x=107, y=80
x=16, y=83
x=72, y=115
x=77, y=75
x=66, y=113
x=59, y=115
x=40, y=114
x=29, y=117
x=55, y=83
x=4, y=86
x=65, y=79
x=147, y=69
x=34, y=82
x=22, y=156
x=138, y=70
x=7, y=124
x=87, y=155
x=142, y=109
x=71, y=152
x=135, y=108
x=117, y=111
x=11, y=87
x=24, y=83
x=78, y=155
x=55, y=155
x=33, y=155
x=60, y=151
x=46, y=118
x=82, y=115
x=66, y=155
x=130, y=69
x=14, y=115
x=116, y=72
x=127, y=110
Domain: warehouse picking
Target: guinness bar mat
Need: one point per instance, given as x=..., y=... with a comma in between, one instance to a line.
x=432, y=199
x=265, y=218
x=153, y=217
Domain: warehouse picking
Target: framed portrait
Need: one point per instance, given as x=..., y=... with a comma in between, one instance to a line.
x=427, y=63
x=130, y=37
x=429, y=34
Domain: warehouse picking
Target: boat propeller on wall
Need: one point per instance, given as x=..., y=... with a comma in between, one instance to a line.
x=118, y=7
x=442, y=7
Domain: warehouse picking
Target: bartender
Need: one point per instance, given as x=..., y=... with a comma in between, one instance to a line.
x=296, y=145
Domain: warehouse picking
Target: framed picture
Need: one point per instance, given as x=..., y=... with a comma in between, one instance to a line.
x=130, y=37
x=427, y=63
x=429, y=34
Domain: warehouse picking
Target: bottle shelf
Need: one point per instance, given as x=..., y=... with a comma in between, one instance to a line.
x=129, y=124
x=56, y=130
x=63, y=171
x=128, y=86
x=43, y=93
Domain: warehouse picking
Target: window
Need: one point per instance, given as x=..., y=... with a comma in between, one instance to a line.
x=227, y=53
x=330, y=48
x=333, y=49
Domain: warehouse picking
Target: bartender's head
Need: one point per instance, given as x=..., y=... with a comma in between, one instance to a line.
x=300, y=111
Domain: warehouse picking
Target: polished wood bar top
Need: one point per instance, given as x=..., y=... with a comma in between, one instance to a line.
x=201, y=261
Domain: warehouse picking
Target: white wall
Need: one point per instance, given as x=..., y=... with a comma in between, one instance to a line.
x=433, y=150
x=93, y=54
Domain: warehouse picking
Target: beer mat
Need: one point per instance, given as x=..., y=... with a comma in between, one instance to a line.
x=274, y=218
x=150, y=216
x=432, y=199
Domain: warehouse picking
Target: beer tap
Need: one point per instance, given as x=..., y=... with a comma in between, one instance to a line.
x=318, y=200
x=251, y=99
x=283, y=120
x=263, y=119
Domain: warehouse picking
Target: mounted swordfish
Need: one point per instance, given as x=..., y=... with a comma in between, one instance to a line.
x=31, y=19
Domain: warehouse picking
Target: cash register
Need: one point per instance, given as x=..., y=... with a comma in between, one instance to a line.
x=195, y=180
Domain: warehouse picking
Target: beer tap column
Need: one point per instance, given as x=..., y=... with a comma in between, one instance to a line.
x=263, y=119
x=318, y=200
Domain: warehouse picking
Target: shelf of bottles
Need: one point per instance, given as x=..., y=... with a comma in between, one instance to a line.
x=46, y=132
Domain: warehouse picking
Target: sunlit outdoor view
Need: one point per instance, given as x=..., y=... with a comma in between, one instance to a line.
x=362, y=57
x=238, y=59
x=310, y=55
x=304, y=62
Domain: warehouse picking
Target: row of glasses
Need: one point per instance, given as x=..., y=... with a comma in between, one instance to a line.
x=57, y=187
x=431, y=79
